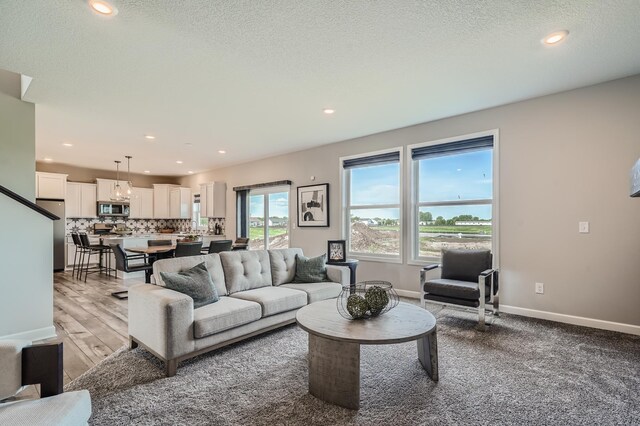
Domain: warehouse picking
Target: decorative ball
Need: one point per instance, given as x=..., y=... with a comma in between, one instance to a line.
x=377, y=299
x=357, y=306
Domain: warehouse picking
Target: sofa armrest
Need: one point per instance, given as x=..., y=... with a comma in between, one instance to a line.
x=339, y=274
x=162, y=320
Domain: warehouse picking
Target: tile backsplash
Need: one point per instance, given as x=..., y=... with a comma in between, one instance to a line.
x=140, y=226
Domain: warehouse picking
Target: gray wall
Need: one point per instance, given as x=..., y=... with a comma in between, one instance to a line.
x=17, y=138
x=564, y=158
x=26, y=286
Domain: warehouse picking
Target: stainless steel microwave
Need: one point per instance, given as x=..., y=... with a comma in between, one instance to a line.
x=113, y=209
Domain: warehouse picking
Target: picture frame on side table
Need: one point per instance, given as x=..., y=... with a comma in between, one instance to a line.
x=336, y=251
x=313, y=205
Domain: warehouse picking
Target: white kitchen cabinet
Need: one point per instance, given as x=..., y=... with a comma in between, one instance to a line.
x=180, y=203
x=88, y=203
x=213, y=199
x=73, y=200
x=81, y=200
x=105, y=187
x=141, y=203
x=51, y=185
x=161, y=200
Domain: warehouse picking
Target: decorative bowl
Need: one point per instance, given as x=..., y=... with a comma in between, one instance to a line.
x=366, y=299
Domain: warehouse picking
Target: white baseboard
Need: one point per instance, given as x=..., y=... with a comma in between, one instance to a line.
x=408, y=293
x=33, y=335
x=571, y=319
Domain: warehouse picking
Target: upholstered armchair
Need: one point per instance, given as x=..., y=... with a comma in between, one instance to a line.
x=23, y=364
x=467, y=279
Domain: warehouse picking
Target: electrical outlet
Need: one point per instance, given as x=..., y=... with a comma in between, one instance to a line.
x=539, y=288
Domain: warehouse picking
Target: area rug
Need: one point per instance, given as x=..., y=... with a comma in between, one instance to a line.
x=521, y=371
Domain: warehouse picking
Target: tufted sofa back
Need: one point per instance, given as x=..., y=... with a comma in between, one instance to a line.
x=246, y=269
x=283, y=264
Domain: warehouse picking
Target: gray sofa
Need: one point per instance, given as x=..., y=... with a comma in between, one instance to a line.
x=256, y=295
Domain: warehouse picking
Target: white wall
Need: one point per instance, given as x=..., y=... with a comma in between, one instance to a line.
x=564, y=158
x=26, y=247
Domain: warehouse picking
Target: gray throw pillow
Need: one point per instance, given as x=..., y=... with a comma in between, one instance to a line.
x=310, y=270
x=195, y=282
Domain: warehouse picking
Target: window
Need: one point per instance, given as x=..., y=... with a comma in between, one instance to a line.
x=200, y=223
x=372, y=205
x=268, y=218
x=453, y=201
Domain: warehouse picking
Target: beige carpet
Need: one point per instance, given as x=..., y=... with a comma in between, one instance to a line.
x=521, y=371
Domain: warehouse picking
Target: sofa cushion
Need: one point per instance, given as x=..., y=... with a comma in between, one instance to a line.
x=195, y=283
x=311, y=269
x=317, y=291
x=212, y=261
x=69, y=409
x=453, y=288
x=283, y=264
x=274, y=299
x=227, y=313
x=246, y=269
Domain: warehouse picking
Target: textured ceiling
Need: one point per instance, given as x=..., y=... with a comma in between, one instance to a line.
x=252, y=77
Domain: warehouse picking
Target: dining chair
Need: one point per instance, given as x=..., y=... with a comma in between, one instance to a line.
x=123, y=259
x=188, y=249
x=217, y=246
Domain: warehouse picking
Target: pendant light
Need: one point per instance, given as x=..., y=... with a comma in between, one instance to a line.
x=129, y=192
x=116, y=191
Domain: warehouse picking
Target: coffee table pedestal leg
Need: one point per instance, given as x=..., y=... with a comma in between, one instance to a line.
x=428, y=354
x=334, y=371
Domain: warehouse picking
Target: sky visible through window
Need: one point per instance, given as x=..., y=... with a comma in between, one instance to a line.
x=465, y=176
x=278, y=205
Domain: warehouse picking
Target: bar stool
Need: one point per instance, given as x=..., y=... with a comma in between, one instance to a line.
x=89, y=250
x=78, y=252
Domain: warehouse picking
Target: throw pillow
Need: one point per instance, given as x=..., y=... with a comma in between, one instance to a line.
x=310, y=270
x=195, y=282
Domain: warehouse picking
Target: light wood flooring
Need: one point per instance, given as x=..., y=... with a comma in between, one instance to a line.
x=90, y=322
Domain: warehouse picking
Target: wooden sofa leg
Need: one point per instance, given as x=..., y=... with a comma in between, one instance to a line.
x=171, y=366
x=132, y=343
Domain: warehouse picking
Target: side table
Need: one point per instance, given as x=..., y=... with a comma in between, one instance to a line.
x=352, y=264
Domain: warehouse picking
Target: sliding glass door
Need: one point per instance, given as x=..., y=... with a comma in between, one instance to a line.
x=269, y=219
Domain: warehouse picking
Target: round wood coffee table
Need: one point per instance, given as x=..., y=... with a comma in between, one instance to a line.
x=334, y=346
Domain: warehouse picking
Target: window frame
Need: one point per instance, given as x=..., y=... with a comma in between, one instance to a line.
x=264, y=192
x=345, y=192
x=414, y=193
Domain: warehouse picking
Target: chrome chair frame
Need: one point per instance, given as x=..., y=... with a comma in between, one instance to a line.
x=494, y=297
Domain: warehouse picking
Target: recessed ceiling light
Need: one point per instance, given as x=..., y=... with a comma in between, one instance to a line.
x=222, y=151
x=48, y=160
x=190, y=172
x=103, y=7
x=179, y=161
x=150, y=137
x=147, y=171
x=328, y=111
x=555, y=38
x=67, y=144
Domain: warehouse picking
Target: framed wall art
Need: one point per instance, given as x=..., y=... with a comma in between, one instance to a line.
x=336, y=251
x=313, y=205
